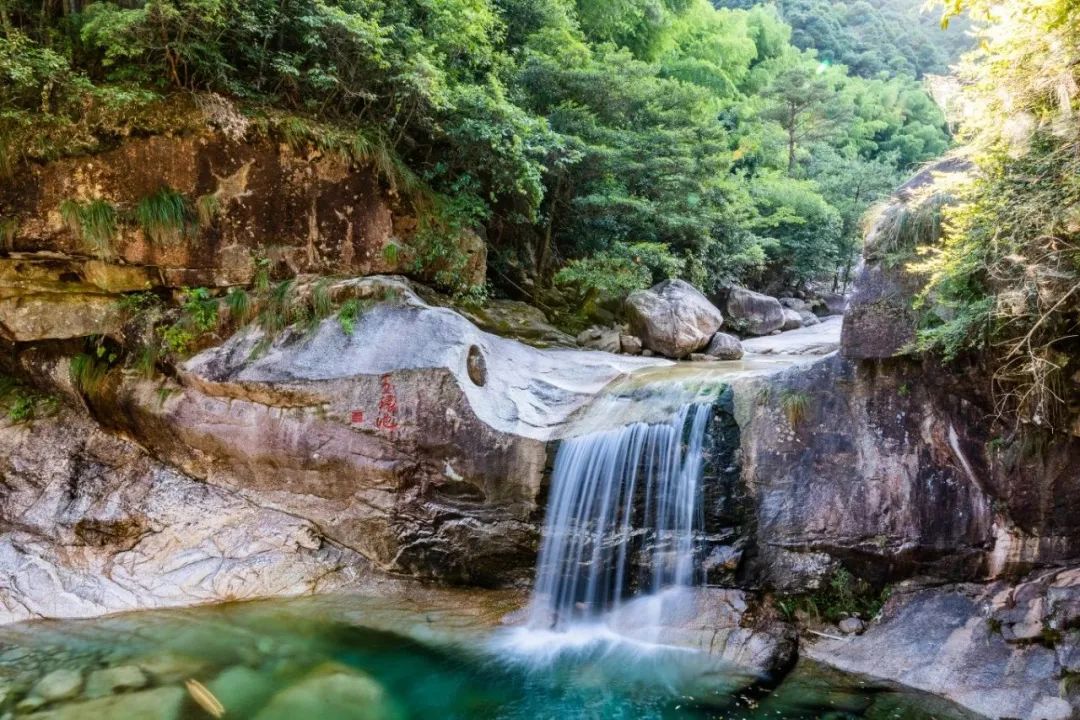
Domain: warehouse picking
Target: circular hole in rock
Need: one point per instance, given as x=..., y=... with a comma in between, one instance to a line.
x=477, y=366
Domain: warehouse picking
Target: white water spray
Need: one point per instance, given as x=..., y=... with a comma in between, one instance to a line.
x=624, y=512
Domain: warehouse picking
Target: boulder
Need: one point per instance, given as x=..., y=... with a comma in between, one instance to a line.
x=725, y=347
x=110, y=681
x=809, y=319
x=163, y=703
x=332, y=691
x=753, y=313
x=792, y=320
x=61, y=684
x=630, y=344
x=673, y=319
x=851, y=626
x=834, y=303
x=794, y=304
x=605, y=339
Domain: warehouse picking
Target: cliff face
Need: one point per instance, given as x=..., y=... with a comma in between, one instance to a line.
x=250, y=201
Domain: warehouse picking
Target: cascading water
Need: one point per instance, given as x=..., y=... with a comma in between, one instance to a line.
x=610, y=489
x=624, y=514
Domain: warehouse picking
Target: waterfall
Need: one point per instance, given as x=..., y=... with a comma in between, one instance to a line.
x=624, y=514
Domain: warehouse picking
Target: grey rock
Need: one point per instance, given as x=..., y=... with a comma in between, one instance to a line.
x=630, y=344
x=753, y=313
x=159, y=704
x=794, y=304
x=113, y=680
x=673, y=318
x=939, y=640
x=723, y=622
x=724, y=347
x=60, y=684
x=702, y=357
x=792, y=320
x=605, y=339
x=809, y=319
x=851, y=626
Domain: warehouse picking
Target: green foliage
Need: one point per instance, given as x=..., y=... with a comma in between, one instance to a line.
x=164, y=216
x=557, y=131
x=22, y=404
x=207, y=208
x=199, y=314
x=872, y=38
x=90, y=369
x=619, y=271
x=841, y=595
x=239, y=305
x=95, y=222
x=348, y=314
x=1005, y=279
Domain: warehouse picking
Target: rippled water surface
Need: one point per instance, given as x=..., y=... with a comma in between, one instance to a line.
x=413, y=657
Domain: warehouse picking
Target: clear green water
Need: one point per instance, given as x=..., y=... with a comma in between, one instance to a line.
x=333, y=659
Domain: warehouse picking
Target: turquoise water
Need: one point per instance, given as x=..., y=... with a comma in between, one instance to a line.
x=341, y=658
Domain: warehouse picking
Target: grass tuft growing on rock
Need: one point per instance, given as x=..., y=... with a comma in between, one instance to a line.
x=795, y=405
x=22, y=404
x=94, y=222
x=164, y=216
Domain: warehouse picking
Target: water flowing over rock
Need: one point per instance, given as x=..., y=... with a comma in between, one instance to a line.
x=673, y=318
x=585, y=565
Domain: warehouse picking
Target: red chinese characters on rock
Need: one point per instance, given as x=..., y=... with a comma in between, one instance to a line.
x=356, y=417
x=387, y=419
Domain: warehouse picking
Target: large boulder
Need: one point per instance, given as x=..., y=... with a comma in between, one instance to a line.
x=753, y=313
x=673, y=318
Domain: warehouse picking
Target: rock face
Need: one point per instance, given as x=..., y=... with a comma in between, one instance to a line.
x=752, y=313
x=673, y=318
x=959, y=642
x=93, y=525
x=889, y=472
x=354, y=452
x=880, y=321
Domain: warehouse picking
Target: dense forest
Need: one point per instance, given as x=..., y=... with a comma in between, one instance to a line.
x=597, y=146
x=876, y=37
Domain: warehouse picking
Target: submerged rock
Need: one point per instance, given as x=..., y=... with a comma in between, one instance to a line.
x=62, y=684
x=673, y=318
x=332, y=691
x=115, y=679
x=159, y=704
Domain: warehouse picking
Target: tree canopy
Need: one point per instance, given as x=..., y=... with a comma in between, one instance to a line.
x=567, y=131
